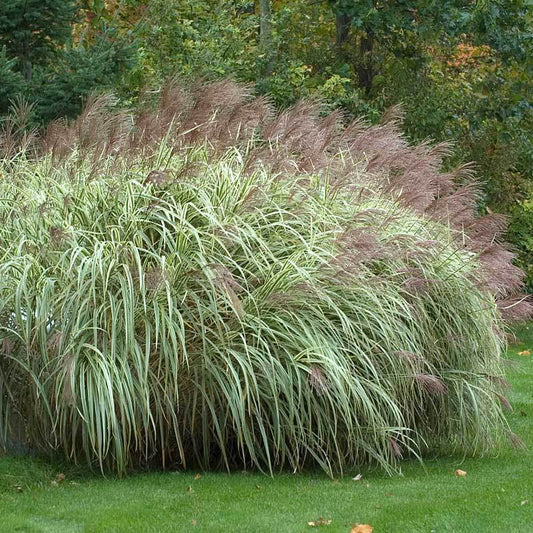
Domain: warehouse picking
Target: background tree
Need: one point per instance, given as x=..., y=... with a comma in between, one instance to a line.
x=59, y=67
x=12, y=81
x=34, y=30
x=404, y=27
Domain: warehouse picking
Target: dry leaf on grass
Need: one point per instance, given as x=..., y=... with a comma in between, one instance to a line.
x=197, y=476
x=460, y=473
x=362, y=528
x=525, y=352
x=319, y=522
x=357, y=477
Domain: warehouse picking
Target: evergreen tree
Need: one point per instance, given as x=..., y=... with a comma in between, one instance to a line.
x=61, y=88
x=33, y=30
x=43, y=63
x=11, y=81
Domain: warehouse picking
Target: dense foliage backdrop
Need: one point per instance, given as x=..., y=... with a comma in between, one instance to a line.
x=461, y=70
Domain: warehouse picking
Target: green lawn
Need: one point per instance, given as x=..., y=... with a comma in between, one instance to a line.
x=496, y=495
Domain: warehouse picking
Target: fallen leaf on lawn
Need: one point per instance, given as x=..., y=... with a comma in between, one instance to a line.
x=523, y=502
x=197, y=476
x=525, y=352
x=362, y=528
x=319, y=522
x=357, y=477
x=193, y=522
x=460, y=473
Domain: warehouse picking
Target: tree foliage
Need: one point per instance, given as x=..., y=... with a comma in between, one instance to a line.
x=59, y=67
x=12, y=81
x=33, y=30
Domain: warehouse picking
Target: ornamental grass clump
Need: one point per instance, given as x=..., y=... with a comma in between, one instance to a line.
x=211, y=284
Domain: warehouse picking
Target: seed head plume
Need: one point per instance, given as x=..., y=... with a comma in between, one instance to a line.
x=299, y=140
x=432, y=384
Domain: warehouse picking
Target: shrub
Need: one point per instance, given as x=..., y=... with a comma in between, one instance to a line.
x=220, y=285
x=521, y=233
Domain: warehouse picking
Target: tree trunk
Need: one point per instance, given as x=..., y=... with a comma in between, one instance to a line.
x=365, y=66
x=342, y=25
x=265, y=32
x=25, y=63
x=26, y=70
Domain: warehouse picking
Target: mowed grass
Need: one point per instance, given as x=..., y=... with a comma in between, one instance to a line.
x=495, y=495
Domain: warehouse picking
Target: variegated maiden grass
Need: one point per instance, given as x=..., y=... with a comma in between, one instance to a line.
x=228, y=317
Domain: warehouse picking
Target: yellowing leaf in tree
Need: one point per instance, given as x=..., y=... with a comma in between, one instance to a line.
x=460, y=473
x=362, y=528
x=525, y=353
